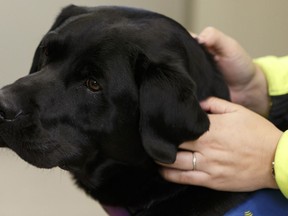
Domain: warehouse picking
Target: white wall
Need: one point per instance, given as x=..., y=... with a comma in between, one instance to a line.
x=23, y=23
x=261, y=26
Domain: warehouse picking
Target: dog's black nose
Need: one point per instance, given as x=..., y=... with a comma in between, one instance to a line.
x=9, y=115
x=8, y=110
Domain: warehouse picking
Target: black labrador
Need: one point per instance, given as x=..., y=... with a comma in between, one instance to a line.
x=111, y=89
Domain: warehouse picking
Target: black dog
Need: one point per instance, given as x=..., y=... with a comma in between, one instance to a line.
x=112, y=89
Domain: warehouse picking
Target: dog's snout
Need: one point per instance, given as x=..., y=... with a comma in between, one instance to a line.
x=8, y=110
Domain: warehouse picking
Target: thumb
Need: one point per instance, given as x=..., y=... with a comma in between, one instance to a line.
x=213, y=40
x=218, y=43
x=218, y=106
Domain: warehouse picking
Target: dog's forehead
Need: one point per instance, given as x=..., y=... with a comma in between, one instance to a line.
x=120, y=31
x=117, y=24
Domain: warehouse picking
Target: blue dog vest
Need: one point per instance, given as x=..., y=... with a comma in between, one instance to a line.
x=260, y=203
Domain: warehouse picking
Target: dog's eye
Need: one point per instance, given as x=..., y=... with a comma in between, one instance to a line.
x=93, y=85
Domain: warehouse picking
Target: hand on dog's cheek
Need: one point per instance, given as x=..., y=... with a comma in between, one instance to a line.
x=238, y=148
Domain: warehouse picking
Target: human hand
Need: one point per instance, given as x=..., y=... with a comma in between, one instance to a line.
x=236, y=153
x=246, y=82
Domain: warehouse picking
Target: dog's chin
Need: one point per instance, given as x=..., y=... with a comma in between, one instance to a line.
x=39, y=161
x=43, y=163
x=38, y=158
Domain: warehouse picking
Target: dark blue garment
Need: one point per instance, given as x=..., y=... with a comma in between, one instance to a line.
x=279, y=111
x=262, y=203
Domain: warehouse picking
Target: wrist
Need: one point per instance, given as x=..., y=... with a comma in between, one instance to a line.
x=269, y=168
x=254, y=95
x=261, y=101
x=281, y=164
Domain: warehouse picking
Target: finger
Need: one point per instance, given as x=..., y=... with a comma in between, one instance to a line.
x=208, y=35
x=216, y=41
x=184, y=161
x=197, y=178
x=218, y=106
x=211, y=38
x=200, y=144
x=189, y=146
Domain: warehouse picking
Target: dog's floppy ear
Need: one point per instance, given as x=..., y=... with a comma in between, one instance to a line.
x=66, y=13
x=169, y=110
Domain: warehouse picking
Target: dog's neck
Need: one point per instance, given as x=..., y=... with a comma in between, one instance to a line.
x=121, y=211
x=116, y=211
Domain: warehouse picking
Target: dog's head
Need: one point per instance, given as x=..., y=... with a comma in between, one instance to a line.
x=119, y=82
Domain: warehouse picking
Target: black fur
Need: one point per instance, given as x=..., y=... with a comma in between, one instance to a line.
x=147, y=76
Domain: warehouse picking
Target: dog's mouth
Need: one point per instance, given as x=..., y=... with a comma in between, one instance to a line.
x=38, y=158
x=36, y=145
x=42, y=155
